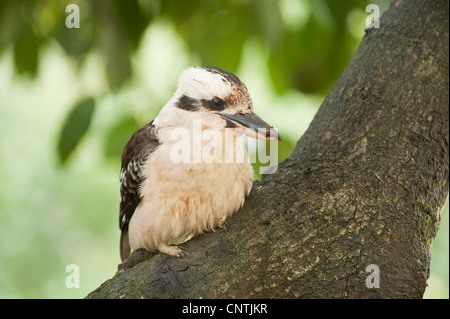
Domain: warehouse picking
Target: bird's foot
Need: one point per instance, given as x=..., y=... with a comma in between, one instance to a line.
x=223, y=224
x=175, y=251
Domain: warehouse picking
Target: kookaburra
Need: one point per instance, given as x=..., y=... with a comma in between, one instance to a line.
x=187, y=171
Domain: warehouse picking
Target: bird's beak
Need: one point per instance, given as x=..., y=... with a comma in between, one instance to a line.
x=251, y=125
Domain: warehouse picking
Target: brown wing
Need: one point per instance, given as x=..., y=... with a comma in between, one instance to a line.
x=139, y=147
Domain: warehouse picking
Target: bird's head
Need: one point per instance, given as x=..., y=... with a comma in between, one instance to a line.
x=219, y=100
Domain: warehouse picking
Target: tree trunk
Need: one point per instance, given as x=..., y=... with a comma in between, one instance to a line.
x=364, y=186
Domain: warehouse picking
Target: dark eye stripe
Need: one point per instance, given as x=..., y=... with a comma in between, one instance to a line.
x=216, y=104
x=187, y=103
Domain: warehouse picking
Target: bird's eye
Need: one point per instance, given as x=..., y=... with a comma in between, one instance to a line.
x=217, y=102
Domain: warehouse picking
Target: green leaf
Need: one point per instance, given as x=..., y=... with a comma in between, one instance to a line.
x=132, y=20
x=26, y=52
x=74, y=128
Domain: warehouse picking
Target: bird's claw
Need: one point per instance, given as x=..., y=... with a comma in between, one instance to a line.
x=182, y=253
x=223, y=224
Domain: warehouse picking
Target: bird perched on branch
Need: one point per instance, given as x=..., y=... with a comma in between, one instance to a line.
x=187, y=171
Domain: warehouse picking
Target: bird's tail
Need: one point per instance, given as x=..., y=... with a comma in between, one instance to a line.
x=124, y=245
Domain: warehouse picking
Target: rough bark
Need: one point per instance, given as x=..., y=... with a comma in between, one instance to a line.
x=364, y=185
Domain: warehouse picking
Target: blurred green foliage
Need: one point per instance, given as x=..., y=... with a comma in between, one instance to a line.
x=75, y=126
x=75, y=95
